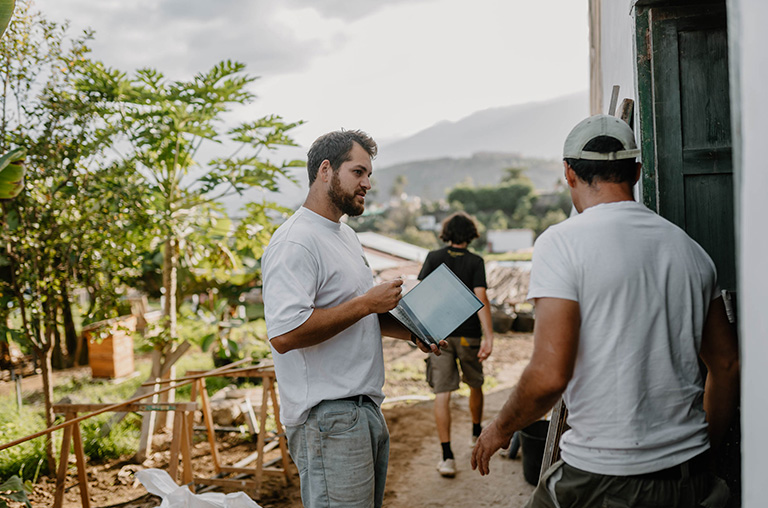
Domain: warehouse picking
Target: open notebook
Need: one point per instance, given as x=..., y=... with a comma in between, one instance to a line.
x=436, y=306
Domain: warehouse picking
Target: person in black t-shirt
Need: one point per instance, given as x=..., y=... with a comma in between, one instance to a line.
x=470, y=343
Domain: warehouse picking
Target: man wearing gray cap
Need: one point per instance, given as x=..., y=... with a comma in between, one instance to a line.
x=626, y=305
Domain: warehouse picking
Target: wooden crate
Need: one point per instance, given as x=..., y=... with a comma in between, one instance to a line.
x=110, y=347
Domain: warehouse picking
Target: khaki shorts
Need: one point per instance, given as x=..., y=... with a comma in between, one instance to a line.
x=442, y=371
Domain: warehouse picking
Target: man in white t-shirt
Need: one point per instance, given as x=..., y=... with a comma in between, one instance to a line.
x=626, y=305
x=325, y=319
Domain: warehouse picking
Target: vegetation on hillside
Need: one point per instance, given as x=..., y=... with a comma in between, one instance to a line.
x=511, y=203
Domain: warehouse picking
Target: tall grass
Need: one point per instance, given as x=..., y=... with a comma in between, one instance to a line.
x=27, y=459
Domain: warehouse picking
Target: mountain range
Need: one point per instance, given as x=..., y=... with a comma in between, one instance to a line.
x=478, y=147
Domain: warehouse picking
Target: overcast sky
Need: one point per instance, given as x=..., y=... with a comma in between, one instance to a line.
x=390, y=67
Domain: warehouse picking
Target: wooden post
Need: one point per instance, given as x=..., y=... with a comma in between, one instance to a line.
x=267, y=386
x=173, y=463
x=186, y=448
x=281, y=439
x=205, y=407
x=61, y=475
x=77, y=441
x=556, y=428
x=164, y=420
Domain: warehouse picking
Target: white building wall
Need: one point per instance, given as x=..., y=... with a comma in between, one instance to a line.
x=509, y=240
x=617, y=50
x=749, y=61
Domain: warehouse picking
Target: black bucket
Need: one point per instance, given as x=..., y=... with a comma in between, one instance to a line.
x=532, y=440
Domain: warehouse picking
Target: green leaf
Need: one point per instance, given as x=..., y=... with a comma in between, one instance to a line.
x=207, y=341
x=13, y=490
x=6, y=11
x=12, y=173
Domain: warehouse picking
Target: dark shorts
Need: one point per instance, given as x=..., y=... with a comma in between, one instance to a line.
x=442, y=371
x=565, y=486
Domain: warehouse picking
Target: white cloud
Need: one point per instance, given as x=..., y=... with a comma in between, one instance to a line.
x=391, y=68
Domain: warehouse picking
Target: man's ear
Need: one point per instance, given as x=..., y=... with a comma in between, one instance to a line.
x=638, y=172
x=325, y=170
x=570, y=175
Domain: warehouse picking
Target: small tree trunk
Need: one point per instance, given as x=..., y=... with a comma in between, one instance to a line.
x=45, y=366
x=74, y=346
x=43, y=350
x=59, y=357
x=170, y=281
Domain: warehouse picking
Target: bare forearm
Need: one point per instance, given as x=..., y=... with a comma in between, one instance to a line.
x=322, y=325
x=486, y=322
x=391, y=327
x=529, y=402
x=720, y=353
x=721, y=398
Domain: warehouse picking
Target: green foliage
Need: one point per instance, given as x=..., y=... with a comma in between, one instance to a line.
x=509, y=256
x=512, y=198
x=166, y=123
x=12, y=173
x=122, y=440
x=28, y=458
x=6, y=12
x=76, y=220
x=14, y=490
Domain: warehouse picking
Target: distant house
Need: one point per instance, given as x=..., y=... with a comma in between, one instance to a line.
x=390, y=258
x=508, y=240
x=427, y=223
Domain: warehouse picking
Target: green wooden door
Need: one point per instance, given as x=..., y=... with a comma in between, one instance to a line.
x=686, y=78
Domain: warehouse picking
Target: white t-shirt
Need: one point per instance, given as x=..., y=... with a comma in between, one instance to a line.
x=312, y=262
x=635, y=402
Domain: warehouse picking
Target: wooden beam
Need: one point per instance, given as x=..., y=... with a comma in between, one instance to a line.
x=198, y=374
x=113, y=407
x=614, y=100
x=136, y=407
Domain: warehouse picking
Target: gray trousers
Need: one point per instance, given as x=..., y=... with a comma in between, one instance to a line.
x=564, y=486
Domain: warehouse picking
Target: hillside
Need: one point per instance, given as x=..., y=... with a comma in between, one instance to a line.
x=535, y=130
x=431, y=179
x=479, y=146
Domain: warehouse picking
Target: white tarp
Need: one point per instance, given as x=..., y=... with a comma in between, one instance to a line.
x=160, y=483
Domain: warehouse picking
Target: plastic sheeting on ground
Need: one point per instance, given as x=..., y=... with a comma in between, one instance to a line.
x=160, y=483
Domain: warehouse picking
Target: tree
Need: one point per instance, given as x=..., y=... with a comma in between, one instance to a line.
x=168, y=125
x=65, y=226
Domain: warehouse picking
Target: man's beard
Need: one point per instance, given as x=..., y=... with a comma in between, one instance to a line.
x=344, y=202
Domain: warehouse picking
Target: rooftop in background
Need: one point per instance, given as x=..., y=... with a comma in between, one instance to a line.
x=393, y=247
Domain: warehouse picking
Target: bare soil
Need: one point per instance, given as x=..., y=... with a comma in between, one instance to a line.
x=415, y=449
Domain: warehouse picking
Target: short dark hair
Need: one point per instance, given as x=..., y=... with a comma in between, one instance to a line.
x=459, y=228
x=617, y=171
x=335, y=147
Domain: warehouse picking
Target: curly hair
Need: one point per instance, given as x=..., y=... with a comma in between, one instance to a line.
x=459, y=228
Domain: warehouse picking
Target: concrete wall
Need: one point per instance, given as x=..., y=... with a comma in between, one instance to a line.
x=506, y=240
x=748, y=41
x=617, y=50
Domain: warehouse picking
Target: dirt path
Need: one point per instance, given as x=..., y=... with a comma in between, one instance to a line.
x=415, y=449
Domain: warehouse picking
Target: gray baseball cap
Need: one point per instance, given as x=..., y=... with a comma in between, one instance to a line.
x=600, y=125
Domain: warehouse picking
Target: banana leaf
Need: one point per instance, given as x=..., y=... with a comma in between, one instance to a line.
x=6, y=11
x=12, y=173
